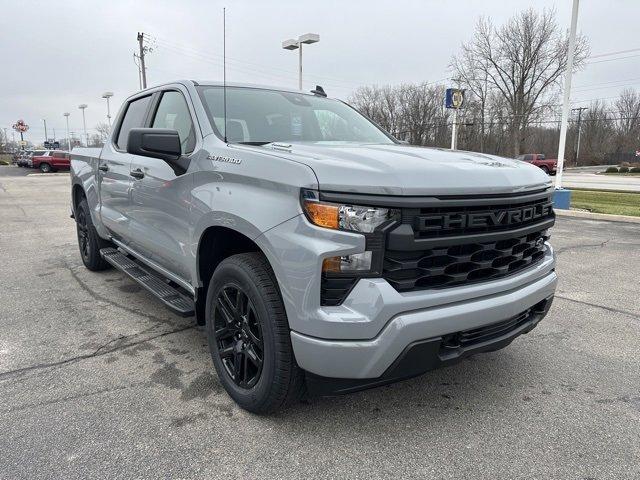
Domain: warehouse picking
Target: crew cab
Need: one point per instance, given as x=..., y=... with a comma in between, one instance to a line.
x=51, y=161
x=321, y=254
x=548, y=166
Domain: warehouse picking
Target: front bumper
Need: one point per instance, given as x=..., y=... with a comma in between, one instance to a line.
x=370, y=359
x=424, y=355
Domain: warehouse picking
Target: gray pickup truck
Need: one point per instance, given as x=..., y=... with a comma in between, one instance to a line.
x=321, y=254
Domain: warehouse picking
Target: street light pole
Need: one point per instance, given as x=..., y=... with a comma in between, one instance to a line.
x=107, y=96
x=567, y=94
x=46, y=138
x=292, y=44
x=82, y=107
x=66, y=116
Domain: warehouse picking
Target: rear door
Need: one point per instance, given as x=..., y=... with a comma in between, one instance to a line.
x=114, y=169
x=160, y=204
x=59, y=160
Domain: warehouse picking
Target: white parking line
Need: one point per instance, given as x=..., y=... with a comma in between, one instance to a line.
x=56, y=174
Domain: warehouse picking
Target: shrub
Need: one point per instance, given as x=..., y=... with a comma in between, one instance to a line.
x=624, y=170
x=634, y=170
x=611, y=170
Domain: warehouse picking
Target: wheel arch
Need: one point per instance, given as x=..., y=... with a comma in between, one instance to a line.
x=77, y=194
x=215, y=244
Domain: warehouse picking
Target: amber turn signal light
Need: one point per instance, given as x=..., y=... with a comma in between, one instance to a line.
x=322, y=214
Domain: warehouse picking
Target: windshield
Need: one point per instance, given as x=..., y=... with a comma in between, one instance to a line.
x=258, y=116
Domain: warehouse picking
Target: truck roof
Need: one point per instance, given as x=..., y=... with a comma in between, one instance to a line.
x=215, y=83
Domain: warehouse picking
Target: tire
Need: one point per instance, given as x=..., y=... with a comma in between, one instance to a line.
x=257, y=322
x=544, y=169
x=89, y=242
x=45, y=167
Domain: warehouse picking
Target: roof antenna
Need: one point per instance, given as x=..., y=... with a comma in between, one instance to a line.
x=319, y=91
x=224, y=69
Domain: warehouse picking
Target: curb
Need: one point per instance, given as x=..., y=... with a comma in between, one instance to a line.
x=597, y=216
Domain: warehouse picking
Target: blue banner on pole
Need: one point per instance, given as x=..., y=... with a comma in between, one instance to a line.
x=454, y=98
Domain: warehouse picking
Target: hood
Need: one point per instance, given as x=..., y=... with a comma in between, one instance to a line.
x=398, y=169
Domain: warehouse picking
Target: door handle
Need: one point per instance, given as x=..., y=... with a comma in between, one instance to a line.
x=137, y=174
x=103, y=167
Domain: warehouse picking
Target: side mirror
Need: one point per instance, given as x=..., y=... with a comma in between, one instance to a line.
x=159, y=143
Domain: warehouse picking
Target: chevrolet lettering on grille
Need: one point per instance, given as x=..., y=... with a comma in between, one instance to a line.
x=496, y=218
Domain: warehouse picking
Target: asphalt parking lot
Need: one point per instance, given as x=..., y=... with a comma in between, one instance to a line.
x=98, y=380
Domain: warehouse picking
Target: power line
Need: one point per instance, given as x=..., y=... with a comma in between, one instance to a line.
x=614, y=53
x=612, y=59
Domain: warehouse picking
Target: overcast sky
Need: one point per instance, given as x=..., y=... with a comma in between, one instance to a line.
x=59, y=54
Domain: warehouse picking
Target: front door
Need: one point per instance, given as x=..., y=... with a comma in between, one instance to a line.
x=160, y=207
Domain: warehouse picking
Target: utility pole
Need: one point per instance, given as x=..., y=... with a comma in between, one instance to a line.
x=46, y=138
x=141, y=56
x=135, y=60
x=577, y=148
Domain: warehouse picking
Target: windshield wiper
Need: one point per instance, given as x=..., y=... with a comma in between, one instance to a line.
x=258, y=144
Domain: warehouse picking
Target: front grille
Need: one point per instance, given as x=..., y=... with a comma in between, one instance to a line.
x=462, y=264
x=467, y=240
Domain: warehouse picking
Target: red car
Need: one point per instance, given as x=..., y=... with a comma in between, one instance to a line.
x=51, y=161
x=548, y=165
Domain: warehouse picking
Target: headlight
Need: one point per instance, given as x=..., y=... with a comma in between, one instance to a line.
x=354, y=218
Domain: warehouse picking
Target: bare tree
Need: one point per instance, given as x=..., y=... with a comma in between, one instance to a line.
x=411, y=112
x=103, y=130
x=597, y=133
x=523, y=61
x=420, y=112
x=627, y=108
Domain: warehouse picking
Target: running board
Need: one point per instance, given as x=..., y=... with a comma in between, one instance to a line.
x=170, y=296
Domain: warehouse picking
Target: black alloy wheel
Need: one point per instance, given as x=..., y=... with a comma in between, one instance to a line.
x=238, y=335
x=83, y=235
x=89, y=242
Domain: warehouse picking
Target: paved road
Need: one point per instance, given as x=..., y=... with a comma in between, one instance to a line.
x=99, y=381
x=15, y=171
x=591, y=180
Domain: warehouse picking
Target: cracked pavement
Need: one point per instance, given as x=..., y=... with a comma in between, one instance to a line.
x=98, y=380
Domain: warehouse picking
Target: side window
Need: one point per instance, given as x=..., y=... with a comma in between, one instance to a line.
x=58, y=155
x=528, y=158
x=173, y=113
x=133, y=118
